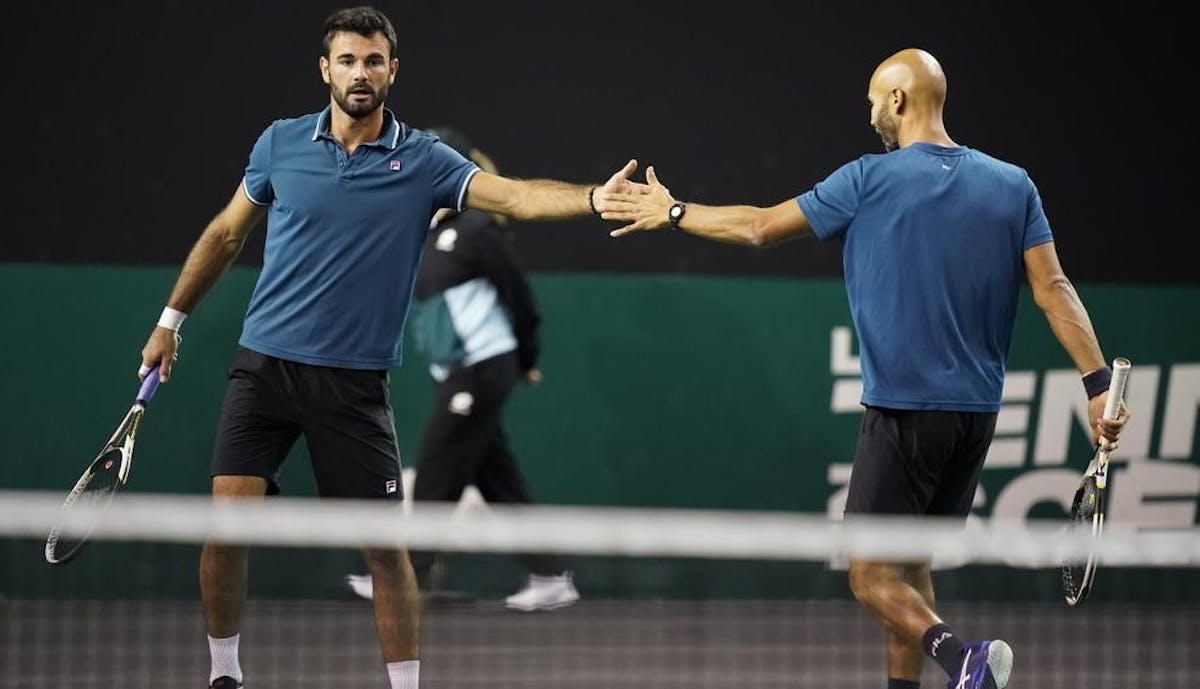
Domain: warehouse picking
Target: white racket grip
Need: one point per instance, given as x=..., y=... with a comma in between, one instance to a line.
x=1116, y=388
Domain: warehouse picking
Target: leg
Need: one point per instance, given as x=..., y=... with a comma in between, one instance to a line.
x=464, y=417
x=395, y=596
x=984, y=663
x=886, y=589
x=351, y=436
x=223, y=567
x=255, y=432
x=500, y=481
x=906, y=659
x=888, y=479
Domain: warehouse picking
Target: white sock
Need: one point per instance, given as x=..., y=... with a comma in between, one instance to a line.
x=404, y=674
x=224, y=653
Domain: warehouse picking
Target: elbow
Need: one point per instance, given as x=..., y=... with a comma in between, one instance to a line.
x=757, y=239
x=759, y=233
x=225, y=242
x=517, y=207
x=1054, y=293
x=231, y=244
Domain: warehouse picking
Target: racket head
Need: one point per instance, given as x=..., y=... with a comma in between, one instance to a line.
x=1086, y=518
x=104, y=477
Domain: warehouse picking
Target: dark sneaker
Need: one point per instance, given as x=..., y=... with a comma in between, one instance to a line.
x=225, y=682
x=986, y=665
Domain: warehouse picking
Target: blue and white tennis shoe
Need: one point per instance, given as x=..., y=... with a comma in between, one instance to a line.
x=986, y=665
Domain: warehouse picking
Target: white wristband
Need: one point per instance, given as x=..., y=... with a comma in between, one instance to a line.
x=171, y=319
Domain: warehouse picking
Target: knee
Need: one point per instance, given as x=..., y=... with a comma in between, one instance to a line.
x=867, y=580
x=860, y=582
x=384, y=559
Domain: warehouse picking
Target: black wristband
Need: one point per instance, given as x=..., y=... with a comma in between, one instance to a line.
x=591, y=203
x=1096, y=382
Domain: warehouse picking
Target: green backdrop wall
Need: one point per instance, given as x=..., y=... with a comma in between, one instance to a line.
x=659, y=391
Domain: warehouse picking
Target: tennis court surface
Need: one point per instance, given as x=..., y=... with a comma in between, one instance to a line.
x=594, y=645
x=672, y=599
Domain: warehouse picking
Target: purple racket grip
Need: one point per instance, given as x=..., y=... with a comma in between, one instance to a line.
x=149, y=385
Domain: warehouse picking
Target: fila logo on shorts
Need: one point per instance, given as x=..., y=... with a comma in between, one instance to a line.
x=390, y=486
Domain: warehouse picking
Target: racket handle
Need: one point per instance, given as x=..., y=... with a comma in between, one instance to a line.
x=1116, y=389
x=149, y=385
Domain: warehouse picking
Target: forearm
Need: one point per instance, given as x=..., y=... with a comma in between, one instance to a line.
x=1071, y=325
x=208, y=260
x=731, y=224
x=547, y=199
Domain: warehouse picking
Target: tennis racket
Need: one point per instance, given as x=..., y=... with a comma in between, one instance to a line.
x=1091, y=499
x=104, y=477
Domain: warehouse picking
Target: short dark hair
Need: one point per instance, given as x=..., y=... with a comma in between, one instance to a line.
x=364, y=21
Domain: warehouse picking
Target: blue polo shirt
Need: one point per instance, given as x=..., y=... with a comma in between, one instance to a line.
x=344, y=238
x=933, y=254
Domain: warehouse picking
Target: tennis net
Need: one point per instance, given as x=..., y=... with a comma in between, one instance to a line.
x=670, y=598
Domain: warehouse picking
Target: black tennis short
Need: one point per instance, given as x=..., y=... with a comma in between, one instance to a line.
x=918, y=462
x=344, y=415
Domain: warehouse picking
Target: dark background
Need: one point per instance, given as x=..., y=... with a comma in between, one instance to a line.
x=130, y=123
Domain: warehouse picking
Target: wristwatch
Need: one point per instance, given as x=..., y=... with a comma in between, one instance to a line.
x=675, y=214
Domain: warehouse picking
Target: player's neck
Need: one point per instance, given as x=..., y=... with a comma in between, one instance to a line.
x=927, y=132
x=350, y=131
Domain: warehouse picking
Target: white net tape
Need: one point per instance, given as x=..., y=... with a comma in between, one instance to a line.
x=593, y=530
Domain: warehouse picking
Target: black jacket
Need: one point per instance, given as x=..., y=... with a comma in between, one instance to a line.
x=466, y=256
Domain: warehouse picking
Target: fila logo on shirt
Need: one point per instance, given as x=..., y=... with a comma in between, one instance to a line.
x=395, y=165
x=390, y=486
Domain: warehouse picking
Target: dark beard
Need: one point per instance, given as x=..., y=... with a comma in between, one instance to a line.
x=360, y=110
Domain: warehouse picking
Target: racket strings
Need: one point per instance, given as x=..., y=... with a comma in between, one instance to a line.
x=1077, y=574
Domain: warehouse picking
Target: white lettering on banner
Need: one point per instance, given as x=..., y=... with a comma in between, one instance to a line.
x=1147, y=491
x=1179, y=418
x=842, y=360
x=1156, y=494
x=1009, y=443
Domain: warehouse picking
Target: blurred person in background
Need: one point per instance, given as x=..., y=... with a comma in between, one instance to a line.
x=476, y=322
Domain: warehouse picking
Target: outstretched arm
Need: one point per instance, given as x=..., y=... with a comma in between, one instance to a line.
x=749, y=225
x=1072, y=327
x=546, y=199
x=208, y=260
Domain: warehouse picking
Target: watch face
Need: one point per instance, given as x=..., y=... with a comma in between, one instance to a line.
x=676, y=211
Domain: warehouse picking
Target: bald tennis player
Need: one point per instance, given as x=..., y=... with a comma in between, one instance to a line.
x=935, y=238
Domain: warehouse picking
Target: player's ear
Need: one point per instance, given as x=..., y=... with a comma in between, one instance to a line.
x=323, y=65
x=897, y=99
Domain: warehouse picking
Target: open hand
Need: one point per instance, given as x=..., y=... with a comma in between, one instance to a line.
x=618, y=185
x=643, y=211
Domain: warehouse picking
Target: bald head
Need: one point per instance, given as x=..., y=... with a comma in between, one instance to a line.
x=907, y=94
x=915, y=72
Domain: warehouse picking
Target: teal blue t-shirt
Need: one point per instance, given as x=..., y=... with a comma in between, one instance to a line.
x=344, y=238
x=933, y=240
